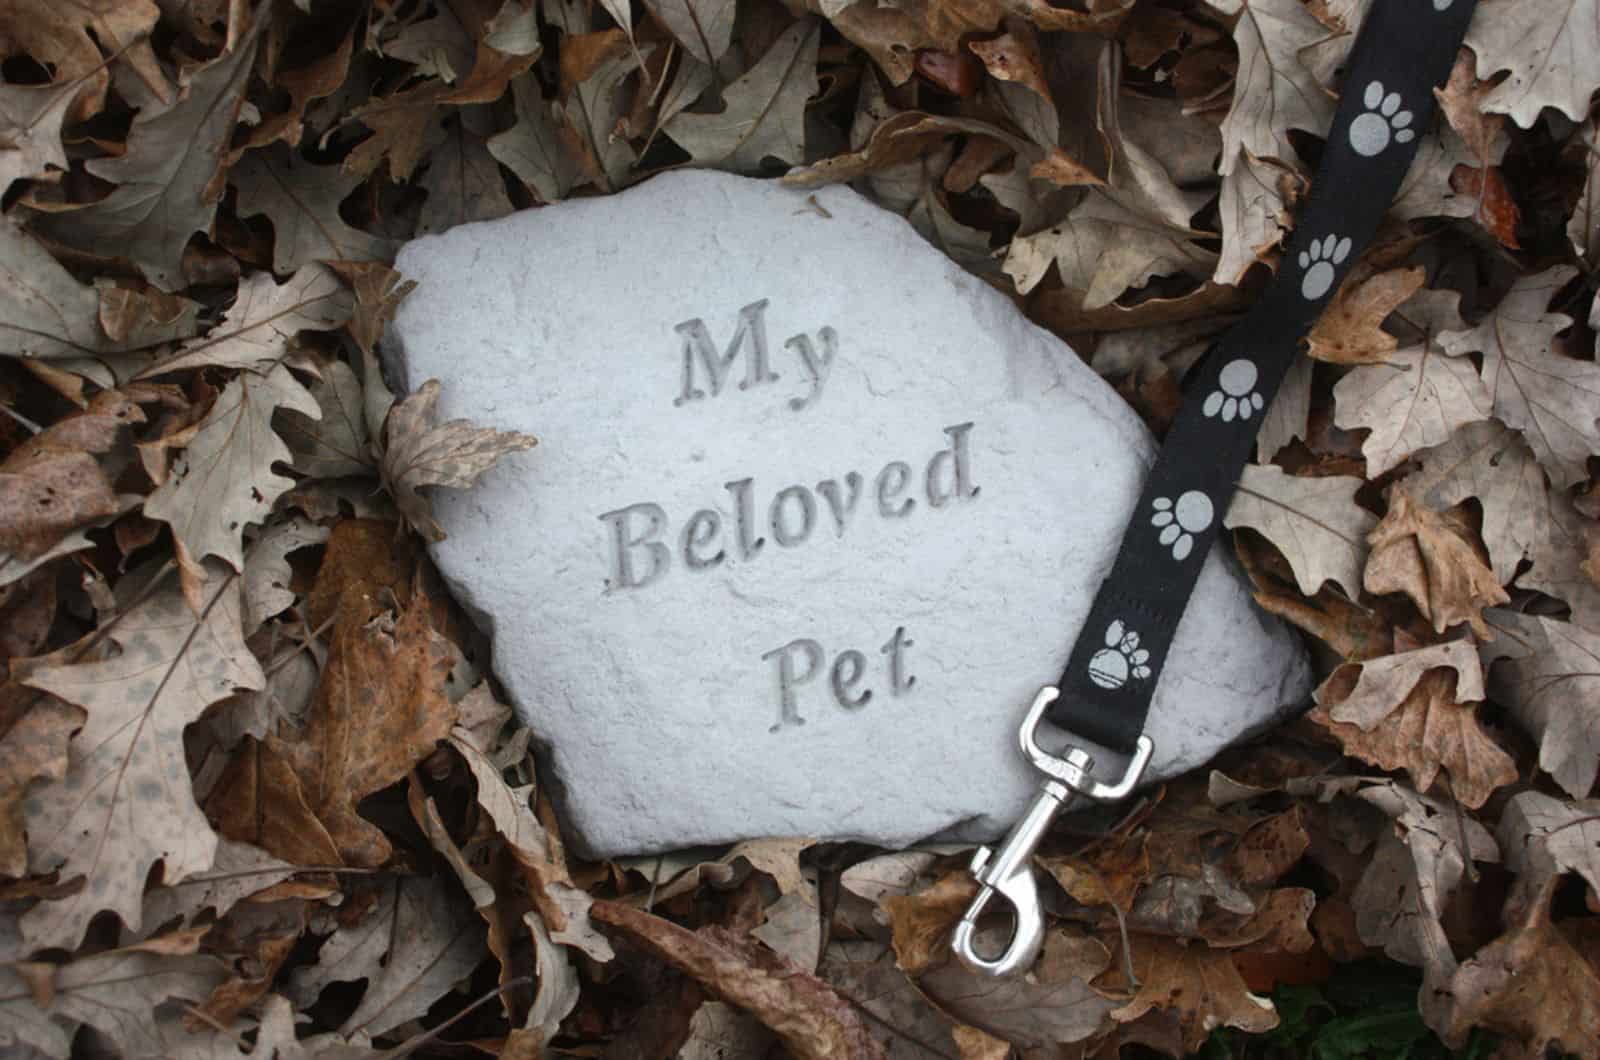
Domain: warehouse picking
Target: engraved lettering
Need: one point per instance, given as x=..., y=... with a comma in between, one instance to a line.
x=697, y=344
x=894, y=648
x=744, y=511
x=842, y=508
x=784, y=534
x=856, y=664
x=623, y=544
x=789, y=678
x=891, y=480
x=703, y=527
x=956, y=460
x=816, y=362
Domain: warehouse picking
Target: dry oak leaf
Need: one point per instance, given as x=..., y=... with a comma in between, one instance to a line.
x=764, y=112
x=224, y=478
x=69, y=39
x=1559, y=558
x=1409, y=711
x=30, y=131
x=335, y=443
x=1350, y=330
x=1314, y=521
x=814, y=1022
x=703, y=27
x=169, y=179
x=50, y=485
x=1202, y=986
x=258, y=800
x=921, y=923
x=1531, y=984
x=1417, y=552
x=302, y=202
x=1549, y=48
x=239, y=871
x=420, y=453
x=1274, y=90
x=1553, y=400
x=44, y=312
x=265, y=317
x=535, y=148
x=1548, y=675
x=116, y=992
x=1543, y=837
x=1416, y=867
x=380, y=708
x=1493, y=463
x=1584, y=226
x=463, y=179
x=412, y=947
x=1415, y=399
x=126, y=801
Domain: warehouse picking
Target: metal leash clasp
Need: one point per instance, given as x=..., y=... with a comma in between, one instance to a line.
x=1008, y=870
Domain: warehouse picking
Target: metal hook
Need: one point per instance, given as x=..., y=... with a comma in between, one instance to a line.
x=1007, y=871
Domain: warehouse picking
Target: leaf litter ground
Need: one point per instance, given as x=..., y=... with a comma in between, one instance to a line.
x=258, y=796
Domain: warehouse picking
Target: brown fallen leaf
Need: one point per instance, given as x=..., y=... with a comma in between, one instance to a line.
x=1414, y=711
x=380, y=708
x=1543, y=837
x=419, y=453
x=32, y=748
x=922, y=922
x=1491, y=462
x=814, y=1022
x=1313, y=520
x=1350, y=330
x=1200, y=984
x=1419, y=553
x=258, y=800
x=1531, y=984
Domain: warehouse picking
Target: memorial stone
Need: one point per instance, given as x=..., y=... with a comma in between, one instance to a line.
x=813, y=515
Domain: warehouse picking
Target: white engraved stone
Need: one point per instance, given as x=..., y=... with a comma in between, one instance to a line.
x=813, y=515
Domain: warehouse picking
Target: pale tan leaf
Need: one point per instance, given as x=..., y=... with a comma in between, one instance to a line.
x=1253, y=213
x=264, y=318
x=1492, y=463
x=420, y=453
x=1415, y=399
x=534, y=148
x=1584, y=226
x=703, y=27
x=302, y=202
x=1201, y=984
x=126, y=801
x=764, y=112
x=1543, y=837
x=1415, y=869
x=1350, y=330
x=30, y=131
x=44, y=312
x=335, y=443
x=418, y=941
x=1553, y=400
x=116, y=992
x=1547, y=45
x=1548, y=674
x=168, y=181
x=70, y=40
x=1559, y=558
x=266, y=568
x=239, y=871
x=1274, y=91
x=1314, y=521
x=33, y=748
x=224, y=478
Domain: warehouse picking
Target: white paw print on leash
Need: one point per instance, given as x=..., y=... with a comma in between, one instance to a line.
x=1180, y=521
x=1235, y=394
x=1383, y=121
x=1120, y=659
x=1318, y=262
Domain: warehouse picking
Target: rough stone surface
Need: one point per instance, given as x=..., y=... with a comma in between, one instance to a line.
x=661, y=702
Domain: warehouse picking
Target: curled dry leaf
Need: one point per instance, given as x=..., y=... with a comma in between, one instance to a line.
x=126, y=801
x=1414, y=711
x=420, y=453
x=33, y=748
x=1314, y=521
x=1543, y=837
x=1200, y=984
x=1419, y=553
x=1488, y=461
x=814, y=1022
x=1350, y=330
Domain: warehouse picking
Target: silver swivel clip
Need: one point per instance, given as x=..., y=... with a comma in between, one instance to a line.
x=1008, y=870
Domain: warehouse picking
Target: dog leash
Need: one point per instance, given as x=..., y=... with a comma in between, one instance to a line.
x=1404, y=49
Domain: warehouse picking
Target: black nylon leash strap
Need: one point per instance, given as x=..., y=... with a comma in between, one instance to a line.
x=1404, y=49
